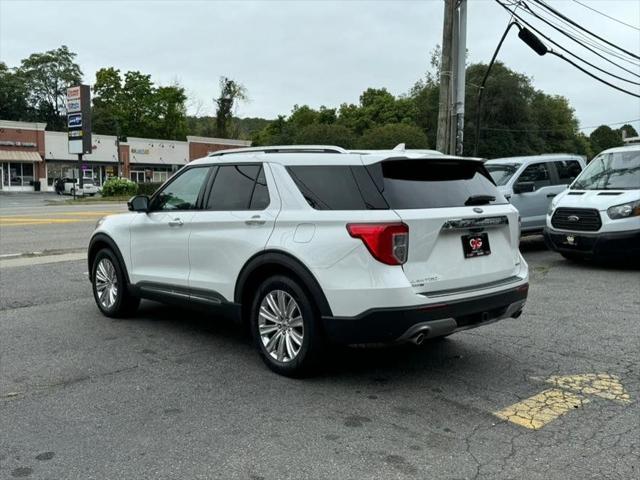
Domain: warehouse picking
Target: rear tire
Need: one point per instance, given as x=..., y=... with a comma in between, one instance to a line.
x=285, y=325
x=110, y=289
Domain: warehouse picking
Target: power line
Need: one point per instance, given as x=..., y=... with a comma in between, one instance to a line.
x=580, y=35
x=574, y=55
x=564, y=17
x=608, y=16
x=571, y=37
x=601, y=80
x=555, y=129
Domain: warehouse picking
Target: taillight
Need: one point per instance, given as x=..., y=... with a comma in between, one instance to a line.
x=387, y=242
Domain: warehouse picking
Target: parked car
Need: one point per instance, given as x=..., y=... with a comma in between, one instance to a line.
x=599, y=215
x=310, y=245
x=70, y=186
x=530, y=183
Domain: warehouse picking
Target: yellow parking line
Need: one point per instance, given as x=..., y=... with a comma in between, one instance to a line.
x=535, y=412
x=43, y=221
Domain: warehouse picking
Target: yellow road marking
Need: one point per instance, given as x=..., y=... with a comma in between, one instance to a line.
x=48, y=221
x=535, y=412
x=602, y=385
x=569, y=393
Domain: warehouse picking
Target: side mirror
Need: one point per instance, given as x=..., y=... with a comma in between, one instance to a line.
x=139, y=203
x=524, y=187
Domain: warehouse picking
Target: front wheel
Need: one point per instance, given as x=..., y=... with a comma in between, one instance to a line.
x=285, y=325
x=110, y=286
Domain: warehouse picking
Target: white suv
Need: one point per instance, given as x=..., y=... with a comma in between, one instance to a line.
x=311, y=245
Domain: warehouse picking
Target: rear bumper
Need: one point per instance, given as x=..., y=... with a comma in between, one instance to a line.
x=382, y=325
x=615, y=244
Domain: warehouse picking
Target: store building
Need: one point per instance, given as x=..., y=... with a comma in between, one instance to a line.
x=98, y=166
x=22, y=146
x=152, y=160
x=29, y=154
x=149, y=160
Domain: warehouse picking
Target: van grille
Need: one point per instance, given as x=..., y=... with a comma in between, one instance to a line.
x=577, y=219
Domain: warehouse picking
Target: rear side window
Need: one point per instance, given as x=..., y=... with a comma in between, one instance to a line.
x=568, y=170
x=234, y=187
x=337, y=187
x=415, y=184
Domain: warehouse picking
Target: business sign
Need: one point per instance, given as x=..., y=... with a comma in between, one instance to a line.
x=79, y=119
x=73, y=92
x=74, y=120
x=140, y=151
x=73, y=106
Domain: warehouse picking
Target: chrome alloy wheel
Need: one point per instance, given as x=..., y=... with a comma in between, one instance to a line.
x=280, y=325
x=106, y=283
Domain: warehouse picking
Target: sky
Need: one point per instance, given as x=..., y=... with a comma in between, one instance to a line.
x=308, y=52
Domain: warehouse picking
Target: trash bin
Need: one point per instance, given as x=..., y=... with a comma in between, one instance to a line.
x=36, y=186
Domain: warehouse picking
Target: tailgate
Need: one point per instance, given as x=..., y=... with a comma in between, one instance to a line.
x=437, y=259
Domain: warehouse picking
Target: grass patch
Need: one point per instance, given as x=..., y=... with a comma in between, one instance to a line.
x=84, y=200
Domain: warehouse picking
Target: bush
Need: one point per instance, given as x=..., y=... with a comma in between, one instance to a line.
x=148, y=188
x=388, y=136
x=321, y=134
x=119, y=187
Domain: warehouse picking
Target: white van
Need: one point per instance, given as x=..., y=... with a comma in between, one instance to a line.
x=599, y=215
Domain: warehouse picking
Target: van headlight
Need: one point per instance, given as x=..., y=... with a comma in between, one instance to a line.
x=626, y=210
x=100, y=222
x=552, y=206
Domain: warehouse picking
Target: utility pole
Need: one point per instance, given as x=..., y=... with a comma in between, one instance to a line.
x=449, y=137
x=460, y=76
x=446, y=70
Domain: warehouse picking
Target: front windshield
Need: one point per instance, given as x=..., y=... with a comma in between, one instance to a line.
x=611, y=171
x=501, y=172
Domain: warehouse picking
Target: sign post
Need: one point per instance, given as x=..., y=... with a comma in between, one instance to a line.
x=79, y=125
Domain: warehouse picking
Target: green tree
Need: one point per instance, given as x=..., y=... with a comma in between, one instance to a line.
x=231, y=92
x=628, y=130
x=131, y=105
x=325, y=134
x=388, y=136
x=47, y=76
x=13, y=96
x=605, y=137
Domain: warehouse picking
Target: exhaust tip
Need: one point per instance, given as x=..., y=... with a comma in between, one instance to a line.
x=418, y=339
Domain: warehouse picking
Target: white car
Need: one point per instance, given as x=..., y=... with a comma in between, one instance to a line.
x=72, y=187
x=312, y=245
x=599, y=215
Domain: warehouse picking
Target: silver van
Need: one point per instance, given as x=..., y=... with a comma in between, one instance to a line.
x=530, y=183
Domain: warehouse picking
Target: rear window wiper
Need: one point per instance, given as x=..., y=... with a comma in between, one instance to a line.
x=479, y=199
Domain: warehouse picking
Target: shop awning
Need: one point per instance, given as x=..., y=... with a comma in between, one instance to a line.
x=14, y=156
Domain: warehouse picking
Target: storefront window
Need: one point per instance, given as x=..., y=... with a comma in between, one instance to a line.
x=5, y=174
x=27, y=174
x=15, y=174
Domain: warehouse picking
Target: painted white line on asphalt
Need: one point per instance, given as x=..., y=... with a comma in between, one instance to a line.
x=28, y=261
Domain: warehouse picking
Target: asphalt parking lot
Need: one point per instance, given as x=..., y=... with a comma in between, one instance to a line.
x=176, y=394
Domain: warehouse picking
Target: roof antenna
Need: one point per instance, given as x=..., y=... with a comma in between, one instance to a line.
x=399, y=148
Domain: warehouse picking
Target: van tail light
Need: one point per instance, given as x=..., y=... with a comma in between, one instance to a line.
x=387, y=242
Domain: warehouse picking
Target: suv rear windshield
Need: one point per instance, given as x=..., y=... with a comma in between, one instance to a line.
x=396, y=184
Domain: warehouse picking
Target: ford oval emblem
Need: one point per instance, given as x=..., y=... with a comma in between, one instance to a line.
x=573, y=218
x=478, y=210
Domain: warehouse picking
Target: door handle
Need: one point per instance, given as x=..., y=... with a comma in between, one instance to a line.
x=255, y=220
x=551, y=195
x=176, y=222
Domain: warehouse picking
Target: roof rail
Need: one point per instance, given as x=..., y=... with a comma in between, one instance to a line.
x=282, y=149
